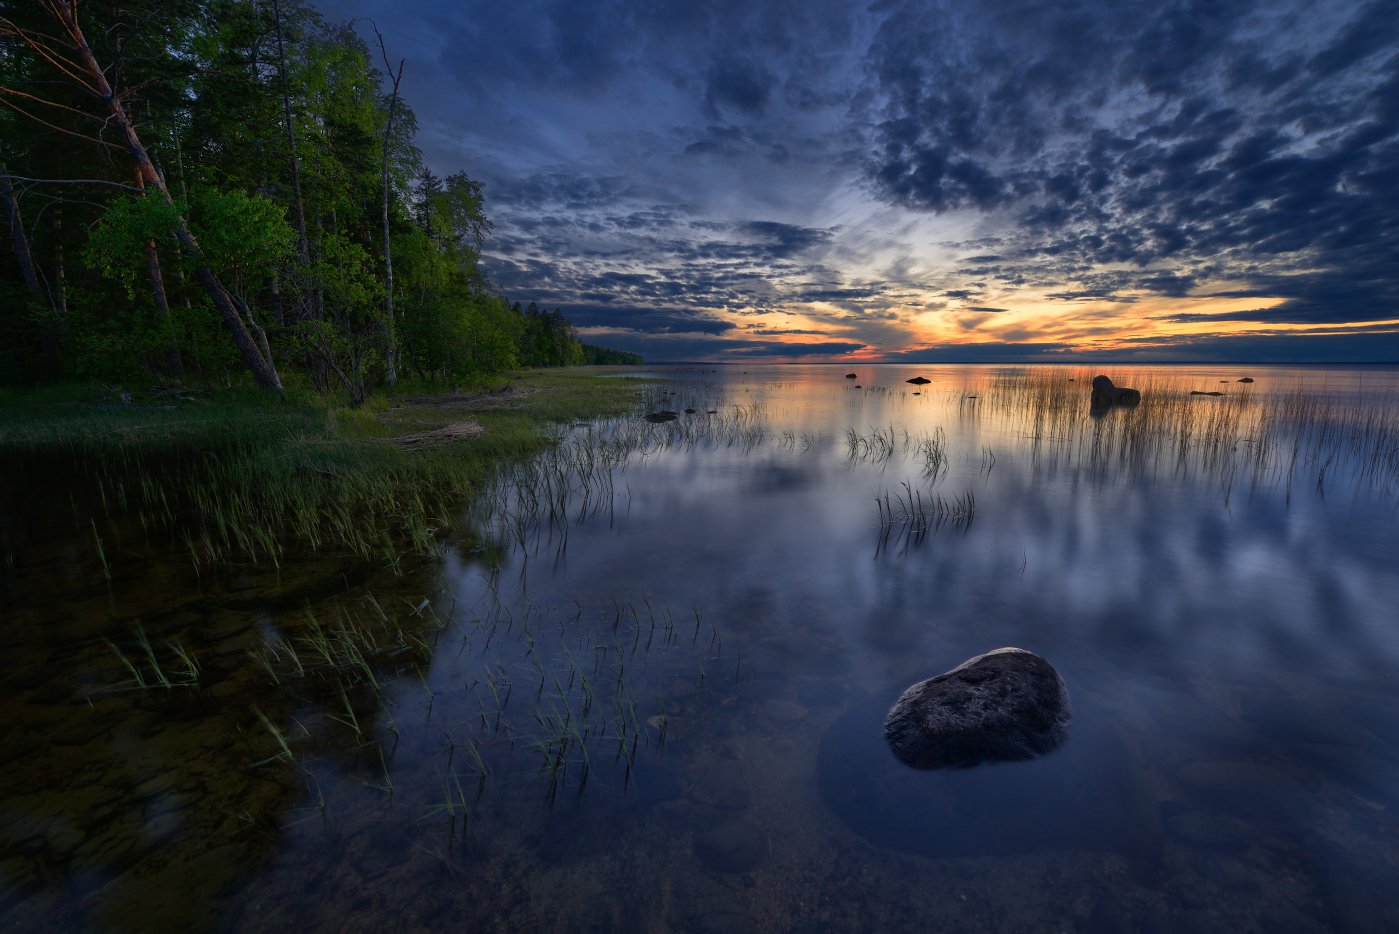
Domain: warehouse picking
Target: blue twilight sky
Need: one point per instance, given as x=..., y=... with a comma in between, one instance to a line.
x=928, y=179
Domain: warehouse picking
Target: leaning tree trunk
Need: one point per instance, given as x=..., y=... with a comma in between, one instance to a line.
x=262, y=367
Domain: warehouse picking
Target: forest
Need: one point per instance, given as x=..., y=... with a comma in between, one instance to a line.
x=221, y=192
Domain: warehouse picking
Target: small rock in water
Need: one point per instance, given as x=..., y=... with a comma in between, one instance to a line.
x=781, y=711
x=1006, y=705
x=1196, y=392
x=689, y=411
x=664, y=415
x=850, y=376
x=1246, y=379
x=732, y=846
x=919, y=381
x=1206, y=830
x=723, y=786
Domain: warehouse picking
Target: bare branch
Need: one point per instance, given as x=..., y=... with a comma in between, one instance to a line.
x=69, y=68
x=75, y=181
x=57, y=129
x=43, y=100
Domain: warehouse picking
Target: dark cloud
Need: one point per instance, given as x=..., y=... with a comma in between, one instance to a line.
x=1026, y=352
x=1372, y=346
x=1229, y=139
x=785, y=239
x=737, y=84
x=566, y=190
x=621, y=317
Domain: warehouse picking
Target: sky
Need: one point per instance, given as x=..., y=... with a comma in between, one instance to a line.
x=927, y=180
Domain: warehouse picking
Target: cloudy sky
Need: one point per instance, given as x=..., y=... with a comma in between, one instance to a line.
x=928, y=179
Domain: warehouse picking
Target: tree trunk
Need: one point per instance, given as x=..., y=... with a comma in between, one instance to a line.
x=60, y=275
x=391, y=352
x=19, y=241
x=303, y=243
x=261, y=366
x=174, y=366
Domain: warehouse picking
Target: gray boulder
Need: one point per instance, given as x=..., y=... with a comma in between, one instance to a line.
x=1006, y=705
x=1106, y=395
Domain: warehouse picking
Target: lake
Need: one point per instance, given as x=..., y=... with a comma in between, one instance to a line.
x=643, y=685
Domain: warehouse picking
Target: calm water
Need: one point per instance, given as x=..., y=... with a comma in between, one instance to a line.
x=643, y=687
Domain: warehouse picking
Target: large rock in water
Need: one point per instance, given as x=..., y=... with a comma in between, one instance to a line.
x=1095, y=793
x=1106, y=395
x=1006, y=705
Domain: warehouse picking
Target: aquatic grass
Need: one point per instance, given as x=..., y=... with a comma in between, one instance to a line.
x=181, y=670
x=284, y=752
x=914, y=515
x=1268, y=437
x=101, y=552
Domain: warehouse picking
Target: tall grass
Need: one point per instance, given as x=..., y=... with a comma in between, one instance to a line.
x=1267, y=437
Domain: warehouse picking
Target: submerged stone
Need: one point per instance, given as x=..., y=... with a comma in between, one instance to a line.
x=1006, y=705
x=1206, y=829
x=918, y=381
x=732, y=846
x=662, y=416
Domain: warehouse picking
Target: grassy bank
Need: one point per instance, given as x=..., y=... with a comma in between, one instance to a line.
x=240, y=476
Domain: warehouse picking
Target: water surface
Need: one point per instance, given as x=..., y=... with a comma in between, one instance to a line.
x=643, y=685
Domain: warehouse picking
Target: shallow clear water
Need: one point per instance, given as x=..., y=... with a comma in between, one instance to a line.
x=644, y=686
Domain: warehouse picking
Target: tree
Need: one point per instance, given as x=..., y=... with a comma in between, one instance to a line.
x=396, y=77
x=72, y=57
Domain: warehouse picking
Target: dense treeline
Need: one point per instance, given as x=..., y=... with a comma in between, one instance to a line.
x=594, y=355
x=216, y=189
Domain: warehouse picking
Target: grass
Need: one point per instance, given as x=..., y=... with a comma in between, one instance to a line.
x=181, y=668
x=1271, y=436
x=244, y=477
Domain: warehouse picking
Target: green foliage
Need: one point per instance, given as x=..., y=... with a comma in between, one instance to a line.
x=117, y=245
x=245, y=238
x=260, y=142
